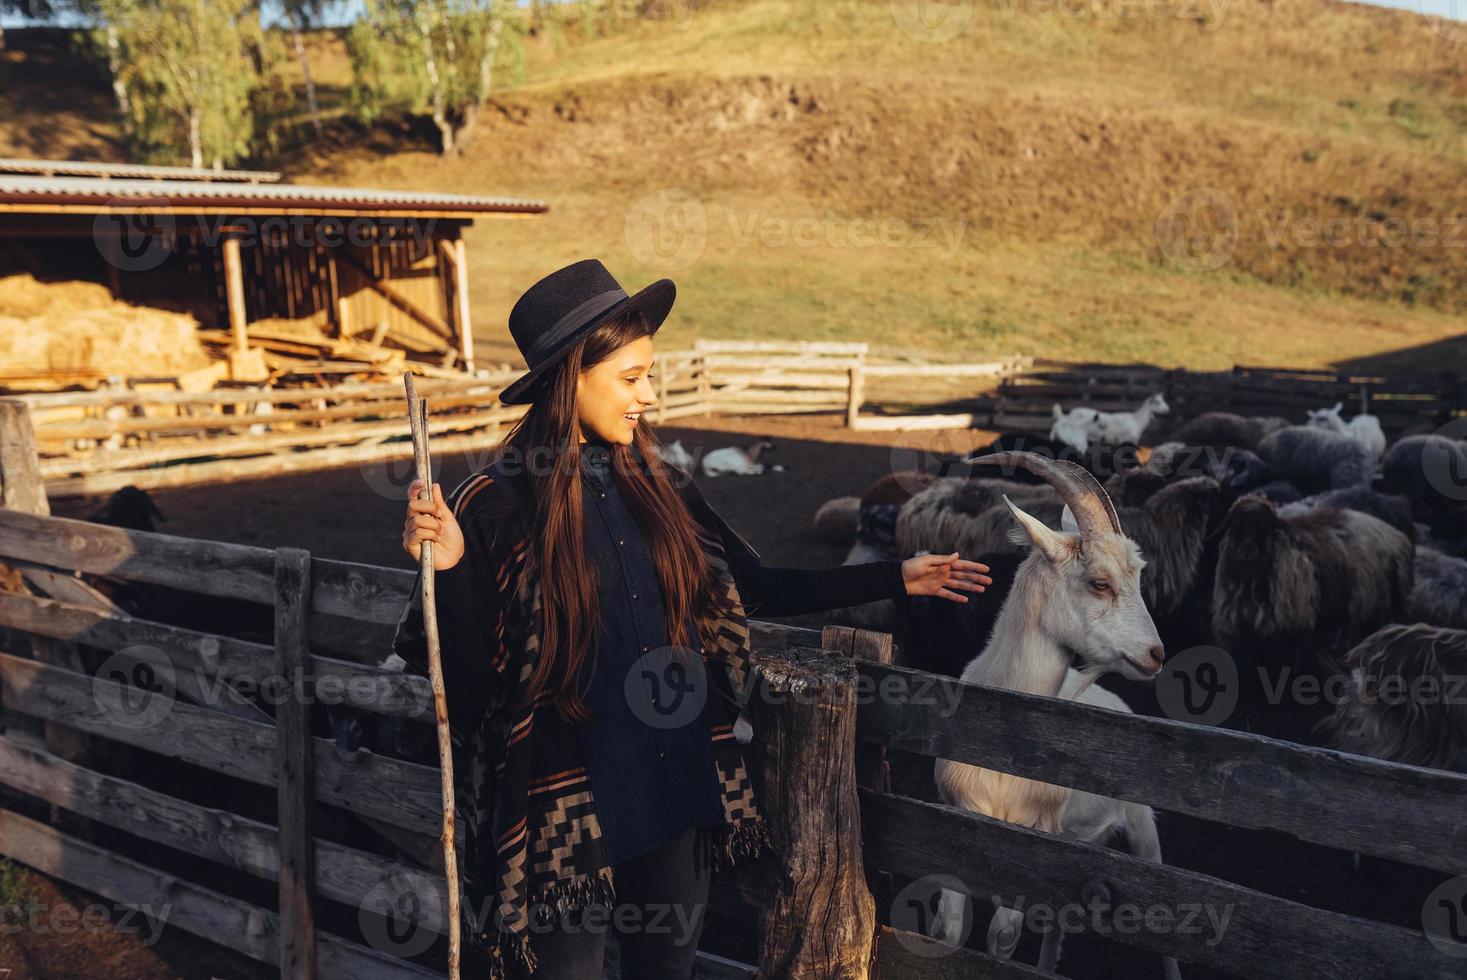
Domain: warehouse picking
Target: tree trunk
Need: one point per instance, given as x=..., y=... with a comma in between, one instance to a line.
x=119, y=87
x=430, y=64
x=300, y=53
x=195, y=146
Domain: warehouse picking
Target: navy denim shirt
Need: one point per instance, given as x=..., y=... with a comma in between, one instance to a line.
x=648, y=749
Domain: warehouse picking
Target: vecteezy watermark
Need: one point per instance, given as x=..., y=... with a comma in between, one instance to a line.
x=1205, y=920
x=401, y=915
x=139, y=234
x=1284, y=227
x=63, y=919
x=1198, y=229
x=135, y=688
x=1444, y=917
x=669, y=229
x=393, y=915
x=936, y=906
x=932, y=21
x=1199, y=685
x=667, y=687
x=1444, y=463
x=1203, y=685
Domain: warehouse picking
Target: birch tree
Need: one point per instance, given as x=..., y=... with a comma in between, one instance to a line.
x=442, y=57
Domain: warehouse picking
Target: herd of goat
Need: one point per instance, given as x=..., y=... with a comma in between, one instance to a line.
x=1312, y=549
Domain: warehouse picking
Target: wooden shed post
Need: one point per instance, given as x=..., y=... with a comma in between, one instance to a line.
x=461, y=294
x=817, y=918
x=295, y=774
x=234, y=292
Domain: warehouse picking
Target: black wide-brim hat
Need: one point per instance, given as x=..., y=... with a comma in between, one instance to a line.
x=562, y=309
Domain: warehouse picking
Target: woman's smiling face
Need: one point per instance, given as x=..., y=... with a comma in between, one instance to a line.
x=619, y=387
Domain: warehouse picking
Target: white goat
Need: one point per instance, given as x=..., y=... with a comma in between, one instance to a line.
x=1118, y=428
x=741, y=461
x=1073, y=427
x=1363, y=428
x=1075, y=592
x=675, y=454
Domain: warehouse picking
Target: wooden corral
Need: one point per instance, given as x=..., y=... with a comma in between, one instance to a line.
x=866, y=705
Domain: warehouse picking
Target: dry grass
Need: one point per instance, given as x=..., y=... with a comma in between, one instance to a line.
x=1021, y=171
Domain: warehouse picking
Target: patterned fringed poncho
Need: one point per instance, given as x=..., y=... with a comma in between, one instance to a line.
x=532, y=840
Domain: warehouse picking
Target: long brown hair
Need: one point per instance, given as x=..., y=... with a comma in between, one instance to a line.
x=545, y=445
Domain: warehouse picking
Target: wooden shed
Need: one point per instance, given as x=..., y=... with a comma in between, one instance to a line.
x=264, y=266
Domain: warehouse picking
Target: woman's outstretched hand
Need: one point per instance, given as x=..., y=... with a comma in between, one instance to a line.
x=431, y=520
x=940, y=574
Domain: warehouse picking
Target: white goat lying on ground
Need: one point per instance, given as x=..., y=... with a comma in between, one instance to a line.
x=1075, y=592
x=1120, y=428
x=741, y=461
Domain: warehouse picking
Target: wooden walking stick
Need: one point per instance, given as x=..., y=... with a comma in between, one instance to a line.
x=418, y=416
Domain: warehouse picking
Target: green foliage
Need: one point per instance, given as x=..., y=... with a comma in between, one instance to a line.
x=443, y=57
x=14, y=890
x=197, y=73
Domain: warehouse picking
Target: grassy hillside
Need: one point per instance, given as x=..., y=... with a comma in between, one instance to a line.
x=1196, y=182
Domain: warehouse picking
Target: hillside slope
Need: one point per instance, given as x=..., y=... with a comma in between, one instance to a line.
x=1197, y=182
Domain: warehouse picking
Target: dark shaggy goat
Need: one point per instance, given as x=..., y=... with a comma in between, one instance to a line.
x=1439, y=596
x=1405, y=697
x=1393, y=509
x=1315, y=460
x=1237, y=471
x=1287, y=589
x=134, y=510
x=1100, y=460
x=1227, y=429
x=1430, y=471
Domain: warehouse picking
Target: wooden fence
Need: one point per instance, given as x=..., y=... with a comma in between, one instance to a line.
x=94, y=442
x=820, y=761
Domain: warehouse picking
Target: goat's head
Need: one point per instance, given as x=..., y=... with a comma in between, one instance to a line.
x=1090, y=578
x=131, y=508
x=1328, y=418
x=1157, y=404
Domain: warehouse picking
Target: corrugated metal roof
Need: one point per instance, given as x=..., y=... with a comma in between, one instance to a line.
x=81, y=168
x=188, y=195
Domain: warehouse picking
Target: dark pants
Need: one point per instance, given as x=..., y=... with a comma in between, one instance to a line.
x=657, y=916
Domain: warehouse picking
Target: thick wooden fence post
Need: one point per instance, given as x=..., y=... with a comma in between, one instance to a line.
x=873, y=772
x=818, y=918
x=22, y=489
x=295, y=783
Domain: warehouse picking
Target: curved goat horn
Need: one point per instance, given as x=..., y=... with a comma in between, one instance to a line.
x=1084, y=495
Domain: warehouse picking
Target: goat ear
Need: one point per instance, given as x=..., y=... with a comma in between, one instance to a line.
x=1051, y=543
x=1068, y=522
x=1337, y=408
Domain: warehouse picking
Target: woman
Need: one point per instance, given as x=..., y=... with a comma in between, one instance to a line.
x=592, y=613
